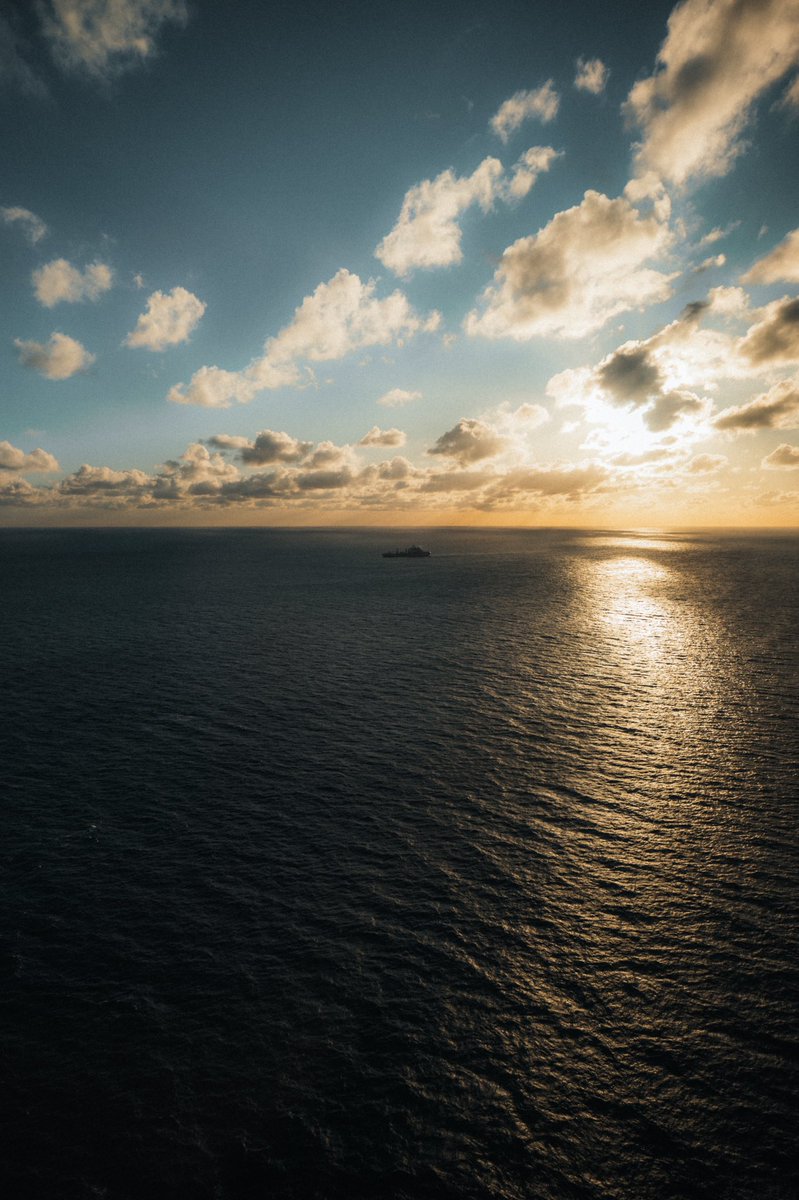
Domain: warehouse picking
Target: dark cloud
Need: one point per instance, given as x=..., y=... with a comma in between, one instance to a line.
x=775, y=409
x=469, y=441
x=324, y=480
x=629, y=376
x=695, y=310
x=457, y=481
x=270, y=446
x=775, y=338
x=669, y=407
x=785, y=457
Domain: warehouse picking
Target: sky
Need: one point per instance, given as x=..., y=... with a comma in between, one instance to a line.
x=407, y=264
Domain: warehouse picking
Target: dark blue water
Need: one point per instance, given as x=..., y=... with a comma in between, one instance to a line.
x=330, y=876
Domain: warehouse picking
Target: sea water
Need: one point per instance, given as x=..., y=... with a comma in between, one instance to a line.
x=326, y=875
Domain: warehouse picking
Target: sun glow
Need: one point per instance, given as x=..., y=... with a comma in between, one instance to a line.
x=620, y=431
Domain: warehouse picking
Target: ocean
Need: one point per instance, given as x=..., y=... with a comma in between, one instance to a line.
x=331, y=876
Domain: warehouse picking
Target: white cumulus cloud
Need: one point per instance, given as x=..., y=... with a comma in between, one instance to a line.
x=340, y=316
x=13, y=459
x=59, y=281
x=170, y=318
x=427, y=233
x=584, y=267
x=58, y=358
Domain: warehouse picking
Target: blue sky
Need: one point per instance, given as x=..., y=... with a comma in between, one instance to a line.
x=399, y=264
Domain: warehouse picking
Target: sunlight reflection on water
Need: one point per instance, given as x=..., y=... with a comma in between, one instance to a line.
x=626, y=602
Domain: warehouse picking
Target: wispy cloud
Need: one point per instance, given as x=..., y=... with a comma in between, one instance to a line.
x=716, y=61
x=427, y=233
x=33, y=226
x=540, y=104
x=397, y=397
x=15, y=71
x=105, y=37
x=780, y=266
x=592, y=75
x=340, y=316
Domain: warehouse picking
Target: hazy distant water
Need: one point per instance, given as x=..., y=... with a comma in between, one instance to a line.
x=331, y=876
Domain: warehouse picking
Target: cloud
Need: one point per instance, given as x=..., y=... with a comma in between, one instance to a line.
x=791, y=97
x=456, y=481
x=104, y=37
x=427, y=233
x=195, y=473
x=777, y=408
x=33, y=226
x=229, y=441
x=345, y=315
x=58, y=358
x=657, y=383
x=327, y=454
x=717, y=59
x=88, y=481
x=170, y=319
x=14, y=70
x=383, y=437
x=271, y=446
x=59, y=281
x=781, y=265
x=516, y=423
x=592, y=75
x=584, y=267
x=21, y=494
x=710, y=264
x=12, y=459
x=707, y=464
x=542, y=104
x=785, y=457
x=397, y=397
x=340, y=316
x=469, y=441
x=214, y=387
x=527, y=169
x=775, y=337
x=629, y=375
x=669, y=407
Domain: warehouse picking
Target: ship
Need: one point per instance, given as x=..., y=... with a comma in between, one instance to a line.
x=410, y=552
